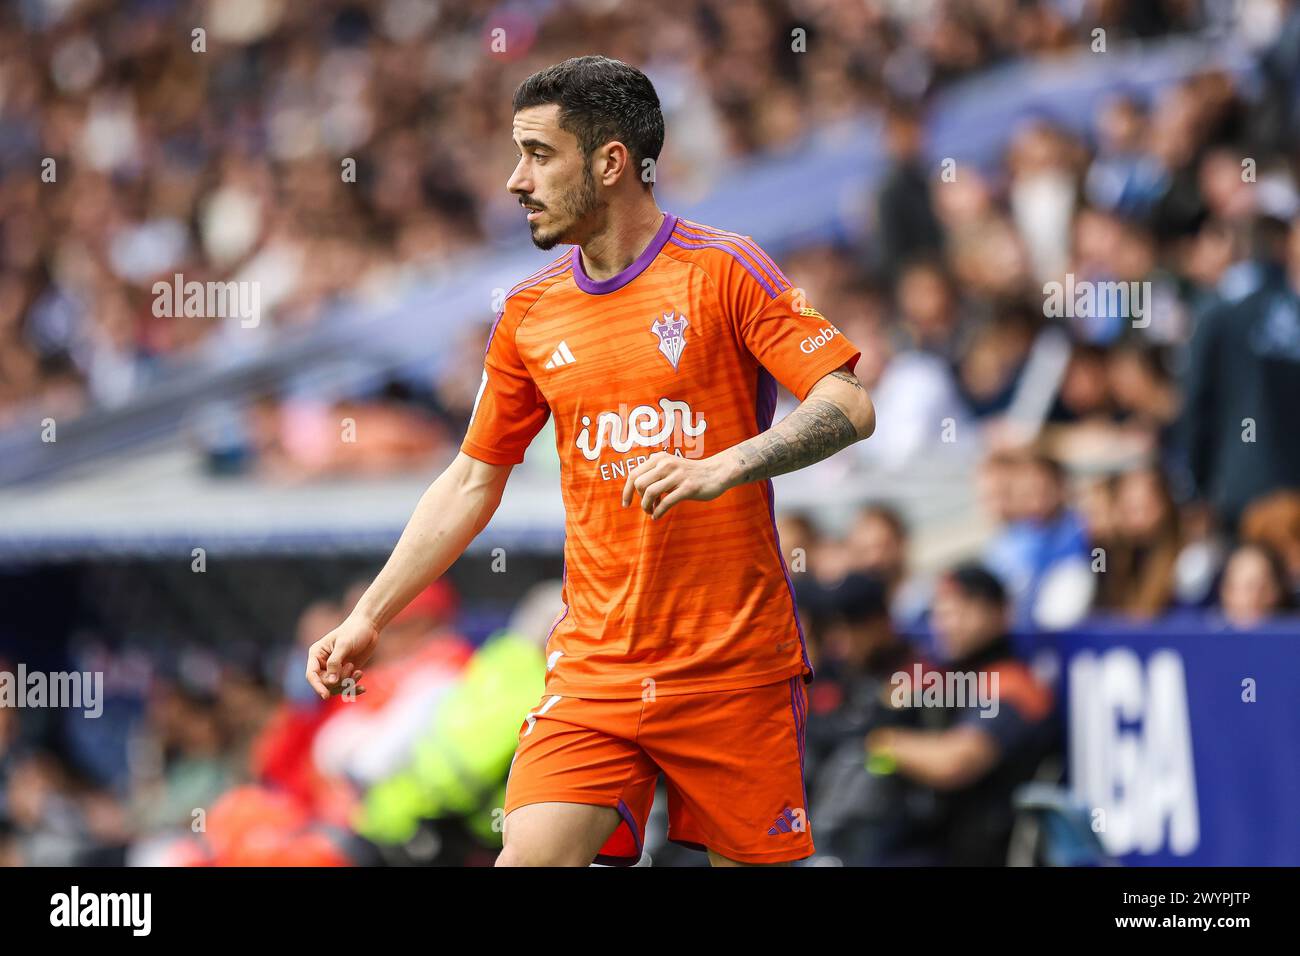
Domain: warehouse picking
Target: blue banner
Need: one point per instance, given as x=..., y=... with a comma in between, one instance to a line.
x=1183, y=740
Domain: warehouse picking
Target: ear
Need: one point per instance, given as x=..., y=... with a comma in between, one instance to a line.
x=611, y=162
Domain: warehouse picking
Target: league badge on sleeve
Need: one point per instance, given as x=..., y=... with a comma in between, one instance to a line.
x=671, y=329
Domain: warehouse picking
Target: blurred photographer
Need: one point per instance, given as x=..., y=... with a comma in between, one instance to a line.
x=860, y=818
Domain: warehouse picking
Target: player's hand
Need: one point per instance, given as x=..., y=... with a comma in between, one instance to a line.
x=334, y=662
x=662, y=480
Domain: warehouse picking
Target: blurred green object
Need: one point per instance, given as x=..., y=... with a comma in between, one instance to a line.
x=881, y=763
x=459, y=767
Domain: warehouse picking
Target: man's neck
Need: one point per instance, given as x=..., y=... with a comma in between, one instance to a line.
x=608, y=254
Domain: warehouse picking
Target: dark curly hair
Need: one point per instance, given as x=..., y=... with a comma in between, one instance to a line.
x=600, y=100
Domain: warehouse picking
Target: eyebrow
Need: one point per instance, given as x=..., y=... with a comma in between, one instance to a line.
x=536, y=144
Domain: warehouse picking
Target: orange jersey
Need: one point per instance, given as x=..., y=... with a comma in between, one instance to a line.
x=680, y=352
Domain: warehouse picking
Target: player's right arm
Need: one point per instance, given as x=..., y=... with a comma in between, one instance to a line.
x=508, y=413
x=452, y=511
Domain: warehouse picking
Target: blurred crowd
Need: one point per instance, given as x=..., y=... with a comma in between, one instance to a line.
x=217, y=140
x=1136, y=461
x=224, y=756
x=1134, y=458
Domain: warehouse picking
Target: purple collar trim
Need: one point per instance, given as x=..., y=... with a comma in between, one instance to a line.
x=615, y=282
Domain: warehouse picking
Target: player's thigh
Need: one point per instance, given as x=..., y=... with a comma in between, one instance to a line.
x=575, y=765
x=556, y=834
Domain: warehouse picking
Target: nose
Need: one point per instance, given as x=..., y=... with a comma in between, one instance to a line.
x=519, y=184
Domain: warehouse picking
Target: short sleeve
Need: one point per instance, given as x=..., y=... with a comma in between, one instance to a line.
x=792, y=340
x=1023, y=704
x=509, y=410
x=1009, y=728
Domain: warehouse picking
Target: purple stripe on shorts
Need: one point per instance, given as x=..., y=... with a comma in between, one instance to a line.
x=630, y=820
x=796, y=709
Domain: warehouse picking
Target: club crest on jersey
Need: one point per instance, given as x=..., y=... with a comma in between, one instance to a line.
x=671, y=329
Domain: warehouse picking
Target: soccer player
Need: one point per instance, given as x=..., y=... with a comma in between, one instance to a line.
x=656, y=344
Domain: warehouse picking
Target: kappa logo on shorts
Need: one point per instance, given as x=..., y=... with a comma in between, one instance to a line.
x=790, y=821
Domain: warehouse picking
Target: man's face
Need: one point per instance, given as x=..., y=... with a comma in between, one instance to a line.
x=875, y=546
x=854, y=641
x=964, y=624
x=553, y=180
x=1038, y=492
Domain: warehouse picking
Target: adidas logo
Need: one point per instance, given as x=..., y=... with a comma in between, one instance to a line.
x=790, y=821
x=561, y=357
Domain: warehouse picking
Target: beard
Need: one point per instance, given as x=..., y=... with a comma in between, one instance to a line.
x=578, y=204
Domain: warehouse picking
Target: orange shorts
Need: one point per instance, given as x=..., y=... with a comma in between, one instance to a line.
x=733, y=761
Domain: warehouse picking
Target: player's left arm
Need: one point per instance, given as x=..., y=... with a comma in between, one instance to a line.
x=834, y=414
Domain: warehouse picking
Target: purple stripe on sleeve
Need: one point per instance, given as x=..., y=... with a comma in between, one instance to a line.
x=770, y=268
x=491, y=335
x=555, y=269
x=735, y=255
x=749, y=243
x=550, y=272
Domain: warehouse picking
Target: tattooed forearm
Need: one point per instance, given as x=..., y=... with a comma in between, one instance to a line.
x=815, y=430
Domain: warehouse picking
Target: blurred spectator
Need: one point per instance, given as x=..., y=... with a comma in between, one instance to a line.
x=928, y=310
x=878, y=545
x=1254, y=587
x=196, y=762
x=1243, y=382
x=798, y=537
x=1044, y=164
x=903, y=210
x=979, y=754
x=9, y=855
x=1123, y=177
x=1274, y=521
x=1142, y=557
x=298, y=439
x=916, y=397
x=1042, y=554
x=993, y=358
x=860, y=818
